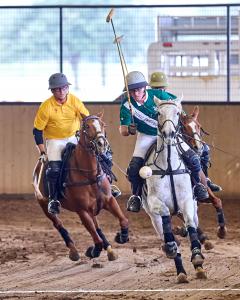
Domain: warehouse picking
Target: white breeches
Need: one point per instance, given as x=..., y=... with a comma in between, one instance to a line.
x=143, y=143
x=56, y=146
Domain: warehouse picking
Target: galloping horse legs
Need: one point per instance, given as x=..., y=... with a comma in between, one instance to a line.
x=89, y=223
x=57, y=223
x=217, y=203
x=113, y=207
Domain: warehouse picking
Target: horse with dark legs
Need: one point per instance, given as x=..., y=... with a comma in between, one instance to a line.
x=167, y=190
x=193, y=132
x=87, y=191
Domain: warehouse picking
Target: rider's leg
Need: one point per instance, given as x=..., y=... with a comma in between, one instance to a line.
x=52, y=175
x=142, y=145
x=192, y=161
x=134, y=202
x=54, y=154
x=205, y=163
x=106, y=163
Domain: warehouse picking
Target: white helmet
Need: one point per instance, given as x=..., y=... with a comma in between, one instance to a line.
x=135, y=80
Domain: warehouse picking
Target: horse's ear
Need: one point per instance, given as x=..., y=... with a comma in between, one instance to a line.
x=157, y=101
x=100, y=114
x=195, y=112
x=179, y=99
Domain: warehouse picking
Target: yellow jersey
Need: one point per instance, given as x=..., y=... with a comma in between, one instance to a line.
x=58, y=121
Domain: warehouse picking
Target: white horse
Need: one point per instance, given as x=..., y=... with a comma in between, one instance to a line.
x=168, y=190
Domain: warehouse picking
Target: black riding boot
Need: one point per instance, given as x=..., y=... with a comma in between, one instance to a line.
x=134, y=203
x=52, y=175
x=192, y=161
x=205, y=163
x=106, y=163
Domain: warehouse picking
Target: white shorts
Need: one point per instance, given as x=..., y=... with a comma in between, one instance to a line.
x=143, y=143
x=56, y=146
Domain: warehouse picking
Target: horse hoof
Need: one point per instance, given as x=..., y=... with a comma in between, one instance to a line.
x=182, y=278
x=110, y=254
x=74, y=255
x=200, y=273
x=208, y=245
x=222, y=232
x=182, y=231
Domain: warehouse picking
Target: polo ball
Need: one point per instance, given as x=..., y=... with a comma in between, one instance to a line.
x=145, y=172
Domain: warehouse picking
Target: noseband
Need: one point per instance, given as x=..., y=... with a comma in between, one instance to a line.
x=93, y=143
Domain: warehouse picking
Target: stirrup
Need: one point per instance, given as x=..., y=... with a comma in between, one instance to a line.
x=200, y=192
x=134, y=203
x=54, y=207
x=213, y=186
x=115, y=191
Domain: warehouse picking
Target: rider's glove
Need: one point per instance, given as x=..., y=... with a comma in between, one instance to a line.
x=132, y=129
x=43, y=157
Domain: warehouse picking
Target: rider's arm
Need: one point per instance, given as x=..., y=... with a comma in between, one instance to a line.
x=38, y=137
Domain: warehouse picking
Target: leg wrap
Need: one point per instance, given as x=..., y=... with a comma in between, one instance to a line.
x=193, y=238
x=167, y=229
x=220, y=217
x=102, y=236
x=192, y=161
x=133, y=174
x=65, y=235
x=179, y=264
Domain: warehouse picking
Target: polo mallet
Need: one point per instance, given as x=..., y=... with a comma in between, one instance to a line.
x=122, y=60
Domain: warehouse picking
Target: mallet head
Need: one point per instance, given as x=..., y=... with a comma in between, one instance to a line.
x=110, y=15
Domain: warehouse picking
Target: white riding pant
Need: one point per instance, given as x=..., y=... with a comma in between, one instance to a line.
x=143, y=143
x=56, y=146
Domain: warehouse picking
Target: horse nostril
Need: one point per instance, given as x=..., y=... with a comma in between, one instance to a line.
x=172, y=134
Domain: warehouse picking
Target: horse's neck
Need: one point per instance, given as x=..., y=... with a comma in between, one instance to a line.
x=167, y=154
x=84, y=158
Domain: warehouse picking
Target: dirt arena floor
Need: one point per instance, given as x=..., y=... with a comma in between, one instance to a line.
x=34, y=261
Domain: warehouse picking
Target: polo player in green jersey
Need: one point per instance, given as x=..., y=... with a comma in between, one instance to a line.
x=145, y=125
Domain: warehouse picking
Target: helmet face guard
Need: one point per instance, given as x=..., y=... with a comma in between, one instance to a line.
x=57, y=80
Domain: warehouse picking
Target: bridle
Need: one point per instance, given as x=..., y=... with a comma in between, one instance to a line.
x=94, y=143
x=161, y=126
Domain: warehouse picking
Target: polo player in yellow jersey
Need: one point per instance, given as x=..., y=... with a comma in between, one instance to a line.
x=57, y=120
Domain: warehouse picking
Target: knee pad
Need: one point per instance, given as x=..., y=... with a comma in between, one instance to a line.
x=53, y=169
x=133, y=169
x=192, y=160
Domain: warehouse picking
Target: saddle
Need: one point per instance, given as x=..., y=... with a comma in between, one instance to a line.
x=104, y=160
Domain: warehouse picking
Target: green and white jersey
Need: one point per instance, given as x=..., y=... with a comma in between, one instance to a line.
x=145, y=115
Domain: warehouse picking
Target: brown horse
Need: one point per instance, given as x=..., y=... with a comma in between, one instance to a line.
x=87, y=190
x=192, y=132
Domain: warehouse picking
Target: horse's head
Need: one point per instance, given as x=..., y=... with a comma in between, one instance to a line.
x=192, y=129
x=93, y=134
x=168, y=118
